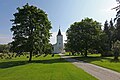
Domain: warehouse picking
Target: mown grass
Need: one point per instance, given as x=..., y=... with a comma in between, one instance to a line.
x=41, y=68
x=106, y=62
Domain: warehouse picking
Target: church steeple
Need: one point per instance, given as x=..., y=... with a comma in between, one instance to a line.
x=59, y=32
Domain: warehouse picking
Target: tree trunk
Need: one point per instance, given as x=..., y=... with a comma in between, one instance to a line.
x=86, y=49
x=30, y=58
x=116, y=55
x=82, y=53
x=72, y=53
x=85, y=52
x=116, y=58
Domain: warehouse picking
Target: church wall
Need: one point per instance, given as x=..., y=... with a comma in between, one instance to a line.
x=60, y=43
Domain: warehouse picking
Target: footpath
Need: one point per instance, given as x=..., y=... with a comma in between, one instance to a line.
x=96, y=71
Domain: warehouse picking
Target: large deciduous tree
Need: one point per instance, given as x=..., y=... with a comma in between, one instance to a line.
x=82, y=36
x=31, y=30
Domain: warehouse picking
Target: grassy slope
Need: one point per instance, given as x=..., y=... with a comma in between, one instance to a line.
x=42, y=68
x=104, y=62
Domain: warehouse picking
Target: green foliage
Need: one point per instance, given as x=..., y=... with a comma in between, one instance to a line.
x=116, y=36
x=47, y=68
x=116, y=48
x=107, y=39
x=31, y=30
x=117, y=19
x=82, y=36
x=48, y=49
x=4, y=48
x=106, y=28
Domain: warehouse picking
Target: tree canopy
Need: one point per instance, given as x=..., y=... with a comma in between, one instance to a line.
x=31, y=30
x=82, y=36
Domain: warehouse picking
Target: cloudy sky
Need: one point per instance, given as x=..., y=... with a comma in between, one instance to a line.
x=60, y=12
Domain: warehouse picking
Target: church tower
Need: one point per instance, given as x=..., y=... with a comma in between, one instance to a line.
x=60, y=41
x=58, y=47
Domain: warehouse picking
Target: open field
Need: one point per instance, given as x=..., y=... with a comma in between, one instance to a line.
x=41, y=68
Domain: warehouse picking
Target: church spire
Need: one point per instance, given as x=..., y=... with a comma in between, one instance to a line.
x=59, y=32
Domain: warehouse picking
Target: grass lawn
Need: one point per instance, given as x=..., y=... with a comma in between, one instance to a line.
x=41, y=68
x=101, y=61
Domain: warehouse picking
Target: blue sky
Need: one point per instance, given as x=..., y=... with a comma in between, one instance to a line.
x=60, y=12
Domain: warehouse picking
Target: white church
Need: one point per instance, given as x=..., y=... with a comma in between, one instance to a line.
x=59, y=46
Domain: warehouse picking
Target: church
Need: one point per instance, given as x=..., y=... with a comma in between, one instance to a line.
x=59, y=47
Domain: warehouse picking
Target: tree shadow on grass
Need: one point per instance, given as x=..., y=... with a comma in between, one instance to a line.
x=10, y=64
x=19, y=63
x=115, y=61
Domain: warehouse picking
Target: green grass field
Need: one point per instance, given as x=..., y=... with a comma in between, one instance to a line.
x=41, y=68
x=106, y=62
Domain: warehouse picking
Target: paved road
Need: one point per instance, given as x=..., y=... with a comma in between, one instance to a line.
x=96, y=71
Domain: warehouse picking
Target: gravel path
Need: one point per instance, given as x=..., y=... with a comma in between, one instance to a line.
x=96, y=71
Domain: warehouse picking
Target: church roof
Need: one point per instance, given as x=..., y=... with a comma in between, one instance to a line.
x=59, y=32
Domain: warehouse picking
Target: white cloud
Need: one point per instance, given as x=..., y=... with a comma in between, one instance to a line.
x=4, y=39
x=53, y=38
x=108, y=10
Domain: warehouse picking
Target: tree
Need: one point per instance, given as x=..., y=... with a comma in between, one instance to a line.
x=102, y=44
x=117, y=19
x=107, y=33
x=31, y=30
x=71, y=42
x=111, y=37
x=106, y=28
x=48, y=49
x=4, y=48
x=116, y=48
x=81, y=36
x=116, y=36
x=107, y=39
x=112, y=28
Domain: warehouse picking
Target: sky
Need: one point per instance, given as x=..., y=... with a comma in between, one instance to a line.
x=61, y=13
